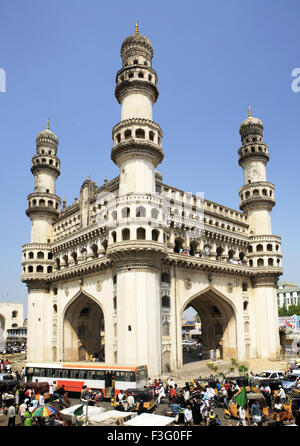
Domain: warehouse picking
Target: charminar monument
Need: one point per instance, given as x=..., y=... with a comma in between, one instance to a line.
x=114, y=271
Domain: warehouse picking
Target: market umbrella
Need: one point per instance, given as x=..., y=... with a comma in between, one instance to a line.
x=44, y=410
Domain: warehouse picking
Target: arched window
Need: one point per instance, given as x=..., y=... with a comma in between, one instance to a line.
x=127, y=134
x=141, y=75
x=55, y=308
x=178, y=245
x=66, y=260
x=230, y=254
x=250, y=262
x=151, y=135
x=140, y=211
x=42, y=203
x=114, y=236
x=155, y=235
x=40, y=255
x=270, y=262
x=74, y=255
x=193, y=248
x=269, y=247
x=165, y=278
x=219, y=252
x=118, y=137
x=125, y=212
x=30, y=255
x=259, y=248
x=14, y=314
x=250, y=249
x=30, y=269
x=39, y=269
x=95, y=251
x=50, y=256
x=125, y=234
x=49, y=269
x=140, y=133
x=245, y=305
x=165, y=302
x=114, y=215
x=245, y=286
x=57, y=261
x=260, y=262
x=140, y=234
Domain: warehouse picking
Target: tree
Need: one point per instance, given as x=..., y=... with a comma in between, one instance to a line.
x=290, y=311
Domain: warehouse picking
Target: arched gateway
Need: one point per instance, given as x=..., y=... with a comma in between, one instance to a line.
x=218, y=322
x=83, y=328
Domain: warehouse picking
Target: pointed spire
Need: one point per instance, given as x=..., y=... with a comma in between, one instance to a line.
x=249, y=111
x=137, y=27
x=48, y=126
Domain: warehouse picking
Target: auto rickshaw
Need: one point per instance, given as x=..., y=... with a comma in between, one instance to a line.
x=39, y=388
x=232, y=411
x=146, y=395
x=286, y=413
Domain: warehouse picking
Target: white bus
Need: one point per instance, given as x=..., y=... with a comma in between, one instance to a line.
x=100, y=377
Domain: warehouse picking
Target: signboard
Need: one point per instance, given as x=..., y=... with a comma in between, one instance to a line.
x=291, y=322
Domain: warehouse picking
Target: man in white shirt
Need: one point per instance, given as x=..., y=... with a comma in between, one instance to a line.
x=281, y=394
x=130, y=401
x=22, y=410
x=41, y=399
x=188, y=416
x=161, y=394
x=242, y=416
x=11, y=415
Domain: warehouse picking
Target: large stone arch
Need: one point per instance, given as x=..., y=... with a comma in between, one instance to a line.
x=83, y=326
x=218, y=321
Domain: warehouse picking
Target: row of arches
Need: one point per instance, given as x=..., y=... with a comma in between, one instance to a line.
x=43, y=203
x=265, y=262
x=138, y=134
x=140, y=212
x=38, y=269
x=256, y=193
x=260, y=247
x=140, y=234
x=139, y=74
x=49, y=161
x=38, y=255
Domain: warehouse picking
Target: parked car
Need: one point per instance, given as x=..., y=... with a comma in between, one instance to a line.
x=289, y=382
x=270, y=374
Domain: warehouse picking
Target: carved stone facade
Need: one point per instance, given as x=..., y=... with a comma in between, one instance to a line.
x=114, y=271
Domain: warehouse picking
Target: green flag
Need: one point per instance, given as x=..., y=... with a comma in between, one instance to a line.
x=78, y=411
x=241, y=398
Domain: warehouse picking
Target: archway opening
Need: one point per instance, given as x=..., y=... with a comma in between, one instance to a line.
x=210, y=328
x=84, y=334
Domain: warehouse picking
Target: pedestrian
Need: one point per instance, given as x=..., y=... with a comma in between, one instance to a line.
x=11, y=415
x=41, y=399
x=175, y=411
x=51, y=392
x=242, y=416
x=22, y=410
x=161, y=394
x=255, y=413
x=197, y=417
x=188, y=416
x=131, y=402
x=28, y=418
x=141, y=407
x=281, y=394
x=65, y=401
x=17, y=397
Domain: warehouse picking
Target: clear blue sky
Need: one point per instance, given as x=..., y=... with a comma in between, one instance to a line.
x=213, y=58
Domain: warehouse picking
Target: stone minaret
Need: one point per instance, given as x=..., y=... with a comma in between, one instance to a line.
x=136, y=238
x=37, y=261
x=137, y=139
x=264, y=253
x=257, y=194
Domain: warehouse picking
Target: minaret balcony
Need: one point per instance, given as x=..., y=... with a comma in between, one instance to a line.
x=43, y=203
x=254, y=151
x=45, y=162
x=260, y=194
x=137, y=128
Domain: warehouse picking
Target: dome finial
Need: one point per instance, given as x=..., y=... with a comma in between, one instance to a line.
x=48, y=126
x=249, y=111
x=137, y=27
